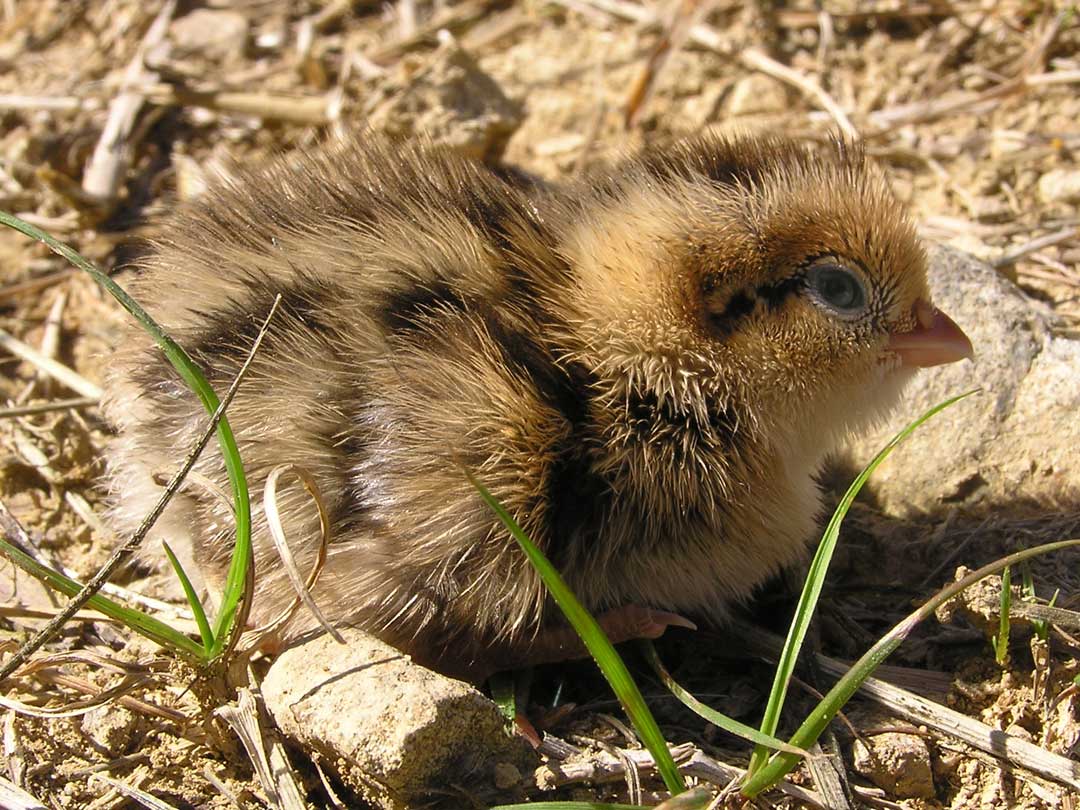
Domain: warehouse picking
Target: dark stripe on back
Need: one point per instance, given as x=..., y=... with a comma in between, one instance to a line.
x=226, y=334
x=406, y=310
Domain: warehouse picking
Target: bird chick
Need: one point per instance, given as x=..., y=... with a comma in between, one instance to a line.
x=645, y=367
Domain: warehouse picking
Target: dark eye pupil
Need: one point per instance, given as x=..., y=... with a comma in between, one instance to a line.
x=838, y=288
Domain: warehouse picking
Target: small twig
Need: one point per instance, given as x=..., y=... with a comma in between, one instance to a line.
x=15, y=798
x=35, y=284
x=246, y=719
x=58, y=371
x=48, y=407
x=1034, y=245
x=127, y=548
x=317, y=110
x=49, y=103
x=50, y=347
x=708, y=37
x=946, y=721
x=672, y=38
x=35, y=457
x=103, y=174
x=757, y=60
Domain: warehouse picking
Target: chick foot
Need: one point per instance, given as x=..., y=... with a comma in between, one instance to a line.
x=625, y=623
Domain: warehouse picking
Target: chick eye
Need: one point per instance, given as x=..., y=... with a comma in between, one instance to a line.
x=838, y=287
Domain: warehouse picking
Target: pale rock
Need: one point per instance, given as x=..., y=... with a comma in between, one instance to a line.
x=216, y=35
x=394, y=732
x=449, y=100
x=897, y=763
x=1018, y=437
x=1060, y=186
x=111, y=728
x=756, y=94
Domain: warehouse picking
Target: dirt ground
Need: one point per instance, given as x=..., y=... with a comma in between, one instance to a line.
x=970, y=106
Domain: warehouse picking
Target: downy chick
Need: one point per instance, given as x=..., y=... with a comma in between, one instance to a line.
x=646, y=368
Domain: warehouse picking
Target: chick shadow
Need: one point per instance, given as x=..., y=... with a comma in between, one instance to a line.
x=884, y=567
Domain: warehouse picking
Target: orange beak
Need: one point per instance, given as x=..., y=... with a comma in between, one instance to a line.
x=935, y=340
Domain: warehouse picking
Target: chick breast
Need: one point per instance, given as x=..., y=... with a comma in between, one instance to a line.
x=435, y=318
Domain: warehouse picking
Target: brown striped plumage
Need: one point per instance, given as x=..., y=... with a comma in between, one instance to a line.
x=639, y=366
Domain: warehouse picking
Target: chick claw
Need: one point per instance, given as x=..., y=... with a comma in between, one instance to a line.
x=625, y=623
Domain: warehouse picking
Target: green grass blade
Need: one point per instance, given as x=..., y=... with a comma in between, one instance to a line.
x=138, y=621
x=781, y=763
x=193, y=600
x=503, y=686
x=728, y=724
x=194, y=379
x=815, y=581
x=611, y=665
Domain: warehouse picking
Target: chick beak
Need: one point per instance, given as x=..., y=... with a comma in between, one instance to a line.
x=935, y=340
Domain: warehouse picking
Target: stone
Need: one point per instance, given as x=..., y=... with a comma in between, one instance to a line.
x=216, y=35
x=393, y=731
x=449, y=100
x=756, y=94
x=1060, y=186
x=1018, y=437
x=112, y=729
x=898, y=763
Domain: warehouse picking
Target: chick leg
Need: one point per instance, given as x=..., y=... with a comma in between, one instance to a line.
x=621, y=624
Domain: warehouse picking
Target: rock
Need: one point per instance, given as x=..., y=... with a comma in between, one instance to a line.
x=1060, y=186
x=1018, y=437
x=757, y=94
x=450, y=100
x=210, y=34
x=392, y=730
x=111, y=728
x=898, y=763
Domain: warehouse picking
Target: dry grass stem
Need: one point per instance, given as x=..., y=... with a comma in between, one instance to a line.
x=49, y=103
x=1018, y=753
x=314, y=110
x=281, y=544
x=1049, y=240
x=109, y=162
x=48, y=407
x=99, y=697
x=13, y=797
x=147, y=800
x=58, y=371
x=127, y=701
x=247, y=718
x=35, y=284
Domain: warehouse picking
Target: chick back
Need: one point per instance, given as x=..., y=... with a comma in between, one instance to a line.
x=408, y=346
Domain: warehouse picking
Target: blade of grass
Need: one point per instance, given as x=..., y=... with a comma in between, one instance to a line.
x=815, y=580
x=193, y=377
x=148, y=626
x=611, y=665
x=503, y=686
x=193, y=600
x=782, y=763
x=728, y=724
